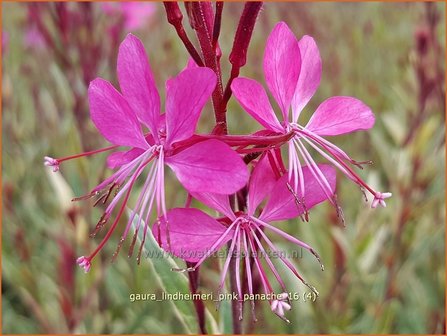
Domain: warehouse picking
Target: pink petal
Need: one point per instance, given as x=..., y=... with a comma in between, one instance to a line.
x=282, y=206
x=186, y=95
x=191, y=64
x=310, y=75
x=253, y=98
x=262, y=181
x=191, y=233
x=137, y=82
x=340, y=115
x=117, y=159
x=113, y=116
x=282, y=64
x=217, y=202
x=209, y=166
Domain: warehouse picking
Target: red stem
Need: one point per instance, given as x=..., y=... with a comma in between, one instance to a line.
x=175, y=18
x=204, y=36
x=238, y=56
x=217, y=23
x=198, y=303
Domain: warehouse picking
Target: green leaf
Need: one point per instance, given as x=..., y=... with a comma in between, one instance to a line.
x=226, y=320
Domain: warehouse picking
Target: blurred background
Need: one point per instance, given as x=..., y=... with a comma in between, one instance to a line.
x=385, y=271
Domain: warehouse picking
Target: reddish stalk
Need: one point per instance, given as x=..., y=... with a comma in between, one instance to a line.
x=198, y=303
x=204, y=35
x=175, y=18
x=238, y=56
x=217, y=23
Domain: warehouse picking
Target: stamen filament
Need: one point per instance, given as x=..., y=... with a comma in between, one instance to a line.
x=112, y=228
x=211, y=249
x=287, y=262
x=249, y=275
x=238, y=275
x=269, y=262
x=287, y=236
x=60, y=160
x=227, y=261
x=264, y=279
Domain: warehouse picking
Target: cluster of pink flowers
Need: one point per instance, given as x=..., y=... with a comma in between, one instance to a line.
x=211, y=167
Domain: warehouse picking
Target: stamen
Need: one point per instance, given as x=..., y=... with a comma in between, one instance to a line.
x=315, y=170
x=211, y=249
x=132, y=243
x=286, y=236
x=299, y=203
x=344, y=167
x=55, y=163
x=85, y=197
x=269, y=262
x=238, y=276
x=360, y=164
x=287, y=262
x=102, y=197
x=339, y=210
x=297, y=169
x=162, y=196
x=120, y=244
x=249, y=275
x=148, y=213
x=110, y=191
x=364, y=194
x=102, y=221
x=318, y=258
x=227, y=263
x=128, y=187
x=141, y=203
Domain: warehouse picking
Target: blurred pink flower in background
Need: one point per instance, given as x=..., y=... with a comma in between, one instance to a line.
x=5, y=41
x=135, y=14
x=33, y=38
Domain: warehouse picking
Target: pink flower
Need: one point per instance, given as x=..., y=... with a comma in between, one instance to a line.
x=5, y=41
x=208, y=166
x=292, y=72
x=34, y=39
x=135, y=14
x=195, y=235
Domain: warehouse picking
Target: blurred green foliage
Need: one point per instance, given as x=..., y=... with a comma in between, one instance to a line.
x=385, y=271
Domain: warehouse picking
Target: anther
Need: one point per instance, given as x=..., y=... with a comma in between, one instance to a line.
x=132, y=244
x=118, y=248
x=102, y=221
x=360, y=164
x=85, y=197
x=318, y=258
x=300, y=203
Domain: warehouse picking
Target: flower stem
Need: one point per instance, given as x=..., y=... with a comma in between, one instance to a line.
x=198, y=303
x=175, y=18
x=200, y=12
x=217, y=22
x=238, y=56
